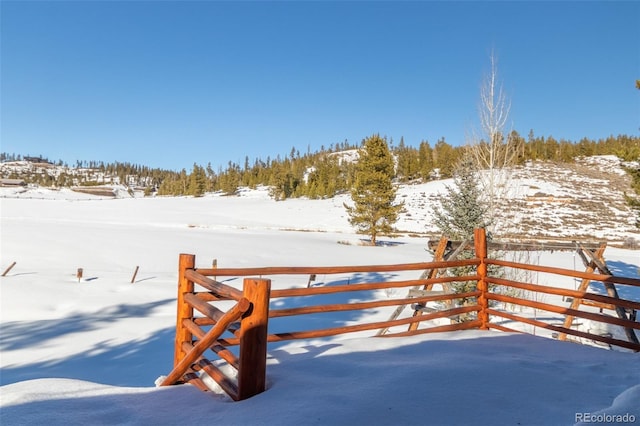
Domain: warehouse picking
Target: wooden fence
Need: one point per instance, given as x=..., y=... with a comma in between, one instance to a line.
x=239, y=335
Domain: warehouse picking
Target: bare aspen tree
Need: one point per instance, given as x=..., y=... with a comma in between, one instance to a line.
x=493, y=152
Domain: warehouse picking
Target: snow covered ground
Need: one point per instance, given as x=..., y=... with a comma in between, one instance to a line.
x=89, y=352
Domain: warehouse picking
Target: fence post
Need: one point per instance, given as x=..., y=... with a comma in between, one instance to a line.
x=252, y=374
x=6, y=271
x=480, y=242
x=185, y=311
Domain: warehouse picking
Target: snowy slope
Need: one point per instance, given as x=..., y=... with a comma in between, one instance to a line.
x=91, y=351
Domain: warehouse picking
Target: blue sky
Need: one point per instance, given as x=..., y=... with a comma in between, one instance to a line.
x=172, y=83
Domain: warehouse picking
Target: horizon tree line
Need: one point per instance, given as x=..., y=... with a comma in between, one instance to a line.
x=324, y=174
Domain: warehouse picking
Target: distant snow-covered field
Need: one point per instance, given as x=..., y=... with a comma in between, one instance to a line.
x=89, y=352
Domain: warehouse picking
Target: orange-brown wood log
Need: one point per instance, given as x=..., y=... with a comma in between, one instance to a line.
x=311, y=334
x=226, y=383
x=207, y=340
x=274, y=313
x=540, y=324
x=193, y=328
x=437, y=329
x=612, y=291
x=227, y=355
x=567, y=272
x=194, y=380
x=252, y=374
x=185, y=286
x=565, y=311
x=203, y=307
x=438, y=256
x=298, y=292
x=523, y=246
x=210, y=297
x=576, y=294
x=584, y=285
x=480, y=242
x=219, y=349
x=371, y=326
x=234, y=327
x=213, y=286
x=503, y=328
x=600, y=305
x=327, y=270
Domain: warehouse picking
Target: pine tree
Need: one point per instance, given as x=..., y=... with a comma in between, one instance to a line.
x=283, y=181
x=229, y=181
x=373, y=193
x=425, y=161
x=462, y=209
x=197, y=181
x=408, y=164
x=445, y=158
x=326, y=178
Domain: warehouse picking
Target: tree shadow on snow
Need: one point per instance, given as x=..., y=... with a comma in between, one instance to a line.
x=134, y=363
x=620, y=269
x=385, y=385
x=381, y=243
x=324, y=320
x=144, y=279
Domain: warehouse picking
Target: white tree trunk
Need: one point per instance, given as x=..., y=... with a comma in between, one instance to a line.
x=493, y=152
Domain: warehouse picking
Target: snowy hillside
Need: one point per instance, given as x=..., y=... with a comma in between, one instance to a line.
x=546, y=201
x=89, y=352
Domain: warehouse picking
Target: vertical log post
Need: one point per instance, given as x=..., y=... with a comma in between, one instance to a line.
x=480, y=242
x=185, y=311
x=252, y=374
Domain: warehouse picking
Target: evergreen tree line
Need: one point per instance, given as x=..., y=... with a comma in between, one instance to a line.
x=324, y=174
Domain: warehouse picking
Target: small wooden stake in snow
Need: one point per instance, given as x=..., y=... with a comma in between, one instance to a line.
x=312, y=278
x=79, y=274
x=133, y=279
x=6, y=271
